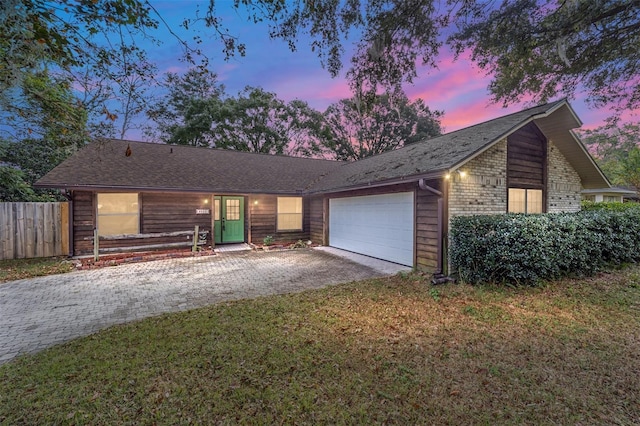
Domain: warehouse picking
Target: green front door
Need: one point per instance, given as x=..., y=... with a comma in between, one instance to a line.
x=228, y=219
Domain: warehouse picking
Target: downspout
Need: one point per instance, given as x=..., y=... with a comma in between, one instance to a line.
x=423, y=185
x=445, y=228
x=440, y=274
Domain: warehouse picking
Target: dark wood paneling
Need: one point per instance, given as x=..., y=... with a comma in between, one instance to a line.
x=263, y=211
x=171, y=212
x=526, y=158
x=427, y=228
x=160, y=212
x=316, y=219
x=83, y=222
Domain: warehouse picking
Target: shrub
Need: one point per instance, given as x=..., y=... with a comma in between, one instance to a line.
x=298, y=244
x=268, y=240
x=525, y=249
x=618, y=207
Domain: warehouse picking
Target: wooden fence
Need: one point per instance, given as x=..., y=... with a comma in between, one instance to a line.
x=34, y=230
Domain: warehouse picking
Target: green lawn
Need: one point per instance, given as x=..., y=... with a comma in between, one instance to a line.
x=392, y=351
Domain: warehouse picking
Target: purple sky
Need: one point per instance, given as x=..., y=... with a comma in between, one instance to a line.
x=458, y=88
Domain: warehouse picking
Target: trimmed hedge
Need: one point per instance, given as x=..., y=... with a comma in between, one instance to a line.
x=525, y=249
x=617, y=207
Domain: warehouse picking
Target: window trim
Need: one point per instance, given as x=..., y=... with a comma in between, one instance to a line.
x=137, y=213
x=301, y=215
x=526, y=200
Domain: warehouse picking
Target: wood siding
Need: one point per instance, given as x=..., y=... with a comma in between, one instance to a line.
x=427, y=228
x=316, y=219
x=170, y=212
x=84, y=220
x=526, y=158
x=159, y=213
x=166, y=212
x=263, y=212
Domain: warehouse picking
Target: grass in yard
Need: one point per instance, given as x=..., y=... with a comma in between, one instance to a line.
x=392, y=351
x=17, y=269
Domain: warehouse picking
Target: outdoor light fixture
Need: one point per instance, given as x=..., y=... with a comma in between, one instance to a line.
x=255, y=202
x=206, y=201
x=460, y=173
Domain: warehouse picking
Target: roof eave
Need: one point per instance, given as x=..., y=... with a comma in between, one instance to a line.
x=593, y=178
x=612, y=190
x=387, y=182
x=515, y=128
x=116, y=188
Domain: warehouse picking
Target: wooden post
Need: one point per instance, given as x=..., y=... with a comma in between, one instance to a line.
x=96, y=244
x=64, y=229
x=7, y=231
x=196, y=237
x=213, y=221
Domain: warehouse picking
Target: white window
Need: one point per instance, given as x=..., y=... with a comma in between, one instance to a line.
x=525, y=200
x=289, y=213
x=118, y=214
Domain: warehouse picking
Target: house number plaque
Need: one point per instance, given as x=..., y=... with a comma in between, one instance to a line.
x=202, y=211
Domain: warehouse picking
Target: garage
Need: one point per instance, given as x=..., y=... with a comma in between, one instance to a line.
x=380, y=226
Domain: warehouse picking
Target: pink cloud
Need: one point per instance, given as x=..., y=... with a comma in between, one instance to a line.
x=460, y=88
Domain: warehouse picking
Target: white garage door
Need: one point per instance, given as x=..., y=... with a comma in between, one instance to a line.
x=376, y=225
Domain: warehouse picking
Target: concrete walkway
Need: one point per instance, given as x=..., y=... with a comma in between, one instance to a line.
x=41, y=312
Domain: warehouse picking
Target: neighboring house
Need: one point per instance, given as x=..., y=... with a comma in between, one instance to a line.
x=394, y=206
x=609, y=195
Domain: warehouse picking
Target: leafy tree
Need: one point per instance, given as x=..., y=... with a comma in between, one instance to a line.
x=196, y=111
x=53, y=130
x=116, y=90
x=64, y=32
x=34, y=157
x=543, y=48
x=631, y=168
x=361, y=129
x=254, y=122
x=530, y=47
x=617, y=151
x=13, y=188
x=46, y=107
x=92, y=44
x=24, y=162
x=257, y=121
x=181, y=116
x=305, y=130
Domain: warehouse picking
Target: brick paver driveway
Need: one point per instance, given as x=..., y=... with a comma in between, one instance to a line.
x=41, y=312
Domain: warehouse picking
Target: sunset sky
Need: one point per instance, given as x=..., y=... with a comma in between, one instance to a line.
x=457, y=88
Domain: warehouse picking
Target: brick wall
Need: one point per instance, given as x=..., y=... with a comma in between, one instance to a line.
x=483, y=189
x=563, y=183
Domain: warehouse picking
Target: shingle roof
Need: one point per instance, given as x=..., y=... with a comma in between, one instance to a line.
x=182, y=168
x=104, y=164
x=429, y=156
